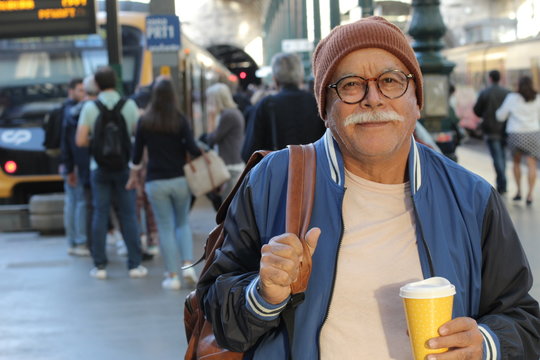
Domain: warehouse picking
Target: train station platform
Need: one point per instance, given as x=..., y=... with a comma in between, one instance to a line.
x=51, y=309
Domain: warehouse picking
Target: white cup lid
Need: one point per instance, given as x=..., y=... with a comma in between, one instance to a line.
x=434, y=287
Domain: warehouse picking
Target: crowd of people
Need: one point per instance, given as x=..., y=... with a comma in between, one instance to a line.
x=144, y=201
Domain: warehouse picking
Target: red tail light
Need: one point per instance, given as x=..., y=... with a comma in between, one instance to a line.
x=10, y=167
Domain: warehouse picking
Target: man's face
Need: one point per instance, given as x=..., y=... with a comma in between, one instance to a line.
x=77, y=93
x=379, y=135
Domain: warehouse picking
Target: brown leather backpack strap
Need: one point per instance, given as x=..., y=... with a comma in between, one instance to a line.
x=300, y=198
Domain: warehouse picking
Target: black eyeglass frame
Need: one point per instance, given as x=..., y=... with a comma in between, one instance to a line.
x=376, y=79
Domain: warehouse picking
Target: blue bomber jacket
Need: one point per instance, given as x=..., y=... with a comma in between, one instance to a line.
x=464, y=234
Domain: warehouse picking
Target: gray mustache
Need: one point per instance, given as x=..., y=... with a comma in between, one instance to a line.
x=373, y=117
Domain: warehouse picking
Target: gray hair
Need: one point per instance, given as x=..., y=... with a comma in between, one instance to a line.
x=89, y=85
x=221, y=96
x=287, y=69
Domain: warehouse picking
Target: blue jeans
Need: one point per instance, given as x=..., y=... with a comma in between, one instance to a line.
x=106, y=186
x=496, y=149
x=75, y=214
x=170, y=200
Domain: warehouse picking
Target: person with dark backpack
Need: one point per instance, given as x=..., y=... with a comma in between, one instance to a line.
x=54, y=120
x=106, y=125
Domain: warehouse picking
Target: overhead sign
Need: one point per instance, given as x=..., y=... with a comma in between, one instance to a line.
x=296, y=45
x=25, y=18
x=163, y=33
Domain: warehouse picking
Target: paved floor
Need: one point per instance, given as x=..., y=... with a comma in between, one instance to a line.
x=51, y=310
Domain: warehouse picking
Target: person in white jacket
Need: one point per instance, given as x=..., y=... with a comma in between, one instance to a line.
x=522, y=109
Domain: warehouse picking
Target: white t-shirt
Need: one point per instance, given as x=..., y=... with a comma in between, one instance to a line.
x=522, y=116
x=378, y=255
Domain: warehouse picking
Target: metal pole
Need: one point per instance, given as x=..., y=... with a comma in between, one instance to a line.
x=114, y=42
x=427, y=29
x=335, y=14
x=367, y=7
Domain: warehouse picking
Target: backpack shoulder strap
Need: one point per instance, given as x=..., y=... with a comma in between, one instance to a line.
x=300, y=188
x=254, y=159
x=101, y=107
x=120, y=104
x=300, y=199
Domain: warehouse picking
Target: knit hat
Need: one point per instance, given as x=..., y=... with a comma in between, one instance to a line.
x=371, y=32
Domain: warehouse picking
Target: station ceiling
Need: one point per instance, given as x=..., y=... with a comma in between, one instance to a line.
x=231, y=22
x=225, y=27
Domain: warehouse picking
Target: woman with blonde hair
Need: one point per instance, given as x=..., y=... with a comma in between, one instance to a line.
x=226, y=131
x=522, y=109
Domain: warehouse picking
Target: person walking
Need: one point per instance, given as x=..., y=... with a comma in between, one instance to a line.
x=288, y=117
x=227, y=135
x=165, y=132
x=108, y=183
x=522, y=111
x=489, y=100
x=386, y=211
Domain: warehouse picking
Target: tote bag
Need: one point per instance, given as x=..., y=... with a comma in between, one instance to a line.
x=206, y=173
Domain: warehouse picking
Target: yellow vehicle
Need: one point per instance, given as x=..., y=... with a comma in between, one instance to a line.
x=35, y=73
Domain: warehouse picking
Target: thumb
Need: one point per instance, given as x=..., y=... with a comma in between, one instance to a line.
x=312, y=237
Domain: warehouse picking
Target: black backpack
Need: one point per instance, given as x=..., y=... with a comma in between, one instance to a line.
x=52, y=125
x=111, y=143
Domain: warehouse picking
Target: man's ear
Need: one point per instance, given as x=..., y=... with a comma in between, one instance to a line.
x=418, y=112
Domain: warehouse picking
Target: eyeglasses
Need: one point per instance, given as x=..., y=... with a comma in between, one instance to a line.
x=392, y=84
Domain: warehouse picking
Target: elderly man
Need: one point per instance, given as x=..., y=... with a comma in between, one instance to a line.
x=387, y=211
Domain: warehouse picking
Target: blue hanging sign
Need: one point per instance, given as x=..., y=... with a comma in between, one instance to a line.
x=163, y=33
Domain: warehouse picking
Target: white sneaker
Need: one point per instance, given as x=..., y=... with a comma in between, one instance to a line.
x=138, y=272
x=98, y=273
x=171, y=283
x=190, y=277
x=79, y=250
x=113, y=237
x=121, y=249
x=153, y=249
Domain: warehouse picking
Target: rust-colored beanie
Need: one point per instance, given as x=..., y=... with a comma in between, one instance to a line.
x=371, y=32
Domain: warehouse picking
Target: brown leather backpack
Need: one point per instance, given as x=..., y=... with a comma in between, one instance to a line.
x=300, y=196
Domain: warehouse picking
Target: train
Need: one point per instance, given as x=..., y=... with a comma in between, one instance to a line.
x=35, y=74
x=473, y=62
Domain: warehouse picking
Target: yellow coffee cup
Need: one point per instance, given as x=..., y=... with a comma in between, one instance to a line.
x=428, y=305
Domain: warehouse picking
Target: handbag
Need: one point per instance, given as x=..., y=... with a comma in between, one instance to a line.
x=206, y=173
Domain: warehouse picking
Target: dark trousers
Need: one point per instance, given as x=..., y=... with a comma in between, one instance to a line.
x=496, y=149
x=106, y=187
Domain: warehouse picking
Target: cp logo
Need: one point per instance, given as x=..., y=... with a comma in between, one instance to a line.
x=16, y=137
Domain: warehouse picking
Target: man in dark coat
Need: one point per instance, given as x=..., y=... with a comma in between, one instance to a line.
x=289, y=117
x=487, y=103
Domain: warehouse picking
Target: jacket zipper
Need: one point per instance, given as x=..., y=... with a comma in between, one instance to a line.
x=333, y=284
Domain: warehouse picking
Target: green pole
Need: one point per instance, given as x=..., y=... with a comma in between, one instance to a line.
x=114, y=42
x=427, y=29
x=367, y=7
x=335, y=14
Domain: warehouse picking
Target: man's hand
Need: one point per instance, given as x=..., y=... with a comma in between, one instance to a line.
x=280, y=264
x=462, y=338
x=72, y=179
x=133, y=181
